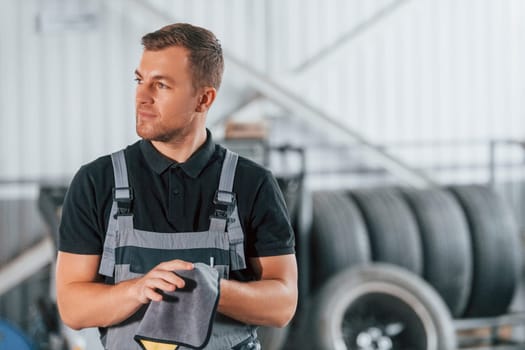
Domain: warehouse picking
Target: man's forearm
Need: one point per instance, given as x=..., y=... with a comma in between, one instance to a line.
x=263, y=303
x=84, y=301
x=92, y=304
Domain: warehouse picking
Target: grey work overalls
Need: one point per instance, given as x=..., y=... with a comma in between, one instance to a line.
x=130, y=253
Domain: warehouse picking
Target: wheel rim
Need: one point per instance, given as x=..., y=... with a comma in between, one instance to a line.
x=382, y=316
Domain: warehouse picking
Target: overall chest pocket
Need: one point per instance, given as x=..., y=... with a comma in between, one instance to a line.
x=145, y=250
x=142, y=260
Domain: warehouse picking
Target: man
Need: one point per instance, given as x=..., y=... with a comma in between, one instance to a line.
x=120, y=242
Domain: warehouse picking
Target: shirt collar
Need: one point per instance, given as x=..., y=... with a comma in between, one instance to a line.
x=192, y=167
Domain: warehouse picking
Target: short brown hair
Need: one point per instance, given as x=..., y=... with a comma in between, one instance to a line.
x=206, y=61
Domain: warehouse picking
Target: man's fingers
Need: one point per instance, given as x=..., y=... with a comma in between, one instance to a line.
x=152, y=295
x=162, y=277
x=162, y=284
x=173, y=265
x=169, y=277
x=152, y=287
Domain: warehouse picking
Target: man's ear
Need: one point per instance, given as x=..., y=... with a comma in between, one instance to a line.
x=206, y=98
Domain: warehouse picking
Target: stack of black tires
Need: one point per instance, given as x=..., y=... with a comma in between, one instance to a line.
x=390, y=268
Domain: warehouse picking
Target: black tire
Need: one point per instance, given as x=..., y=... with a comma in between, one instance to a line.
x=303, y=233
x=392, y=228
x=447, y=248
x=362, y=303
x=339, y=237
x=496, y=250
x=272, y=338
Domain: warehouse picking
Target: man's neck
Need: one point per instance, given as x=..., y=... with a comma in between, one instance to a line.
x=180, y=150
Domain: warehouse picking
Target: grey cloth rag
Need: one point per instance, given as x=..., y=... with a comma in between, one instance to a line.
x=184, y=317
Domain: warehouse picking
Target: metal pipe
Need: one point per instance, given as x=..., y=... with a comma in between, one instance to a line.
x=492, y=163
x=26, y=264
x=303, y=109
x=353, y=33
x=252, y=98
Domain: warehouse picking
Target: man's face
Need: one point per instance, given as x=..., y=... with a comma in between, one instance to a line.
x=165, y=99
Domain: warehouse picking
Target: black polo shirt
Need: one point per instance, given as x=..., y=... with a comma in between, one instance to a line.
x=175, y=197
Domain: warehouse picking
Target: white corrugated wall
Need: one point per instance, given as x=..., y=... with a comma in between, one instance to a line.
x=423, y=70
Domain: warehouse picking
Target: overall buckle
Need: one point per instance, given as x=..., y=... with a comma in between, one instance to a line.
x=225, y=202
x=124, y=197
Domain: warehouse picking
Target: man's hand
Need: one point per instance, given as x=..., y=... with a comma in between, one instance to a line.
x=161, y=277
x=85, y=301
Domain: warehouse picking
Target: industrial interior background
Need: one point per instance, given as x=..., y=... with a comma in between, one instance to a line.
x=412, y=93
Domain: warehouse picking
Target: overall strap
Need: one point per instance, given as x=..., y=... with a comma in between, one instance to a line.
x=227, y=175
x=120, y=218
x=122, y=193
x=226, y=216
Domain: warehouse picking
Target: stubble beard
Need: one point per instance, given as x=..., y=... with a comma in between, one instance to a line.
x=159, y=136
x=151, y=133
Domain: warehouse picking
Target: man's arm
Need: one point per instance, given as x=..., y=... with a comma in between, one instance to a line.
x=270, y=301
x=85, y=301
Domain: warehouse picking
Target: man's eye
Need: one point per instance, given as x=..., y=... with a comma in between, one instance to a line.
x=162, y=85
x=138, y=80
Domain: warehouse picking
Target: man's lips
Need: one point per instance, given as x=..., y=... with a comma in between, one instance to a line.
x=146, y=114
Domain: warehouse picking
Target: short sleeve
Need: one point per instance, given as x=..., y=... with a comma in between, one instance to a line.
x=270, y=230
x=80, y=231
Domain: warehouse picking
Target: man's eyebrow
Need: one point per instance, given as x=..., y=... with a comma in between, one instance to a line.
x=156, y=77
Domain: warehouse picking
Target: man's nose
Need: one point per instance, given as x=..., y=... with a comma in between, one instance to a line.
x=143, y=94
